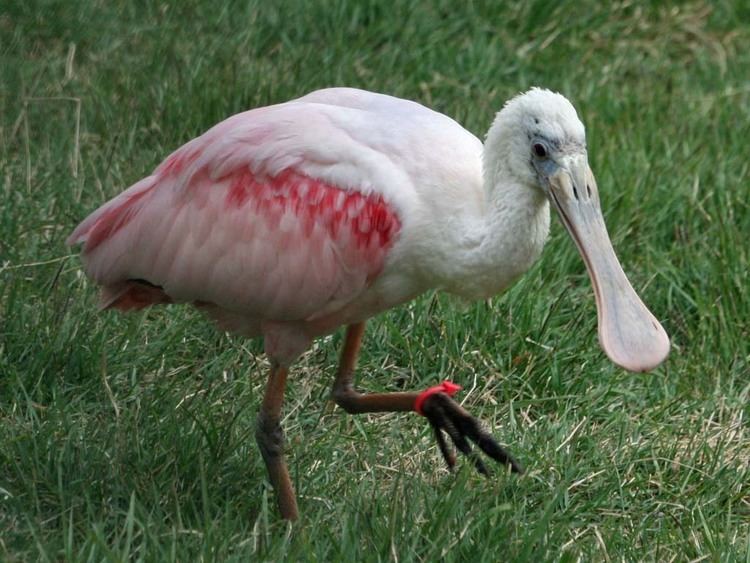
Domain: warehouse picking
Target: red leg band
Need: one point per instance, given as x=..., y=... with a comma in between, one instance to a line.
x=447, y=387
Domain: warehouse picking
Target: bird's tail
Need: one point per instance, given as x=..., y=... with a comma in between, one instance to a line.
x=111, y=217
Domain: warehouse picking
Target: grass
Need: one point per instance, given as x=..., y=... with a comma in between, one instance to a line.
x=130, y=437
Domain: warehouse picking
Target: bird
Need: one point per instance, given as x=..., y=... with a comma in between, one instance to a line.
x=292, y=220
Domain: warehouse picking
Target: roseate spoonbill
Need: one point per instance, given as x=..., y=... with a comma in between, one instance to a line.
x=291, y=220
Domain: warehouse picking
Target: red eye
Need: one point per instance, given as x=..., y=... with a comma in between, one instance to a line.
x=540, y=150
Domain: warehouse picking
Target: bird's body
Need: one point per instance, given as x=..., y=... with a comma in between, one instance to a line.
x=291, y=220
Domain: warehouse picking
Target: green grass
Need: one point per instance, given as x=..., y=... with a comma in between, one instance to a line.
x=131, y=437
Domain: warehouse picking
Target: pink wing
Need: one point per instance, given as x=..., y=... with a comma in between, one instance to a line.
x=232, y=220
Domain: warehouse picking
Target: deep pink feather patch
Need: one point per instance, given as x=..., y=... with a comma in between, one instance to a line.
x=113, y=220
x=177, y=162
x=367, y=218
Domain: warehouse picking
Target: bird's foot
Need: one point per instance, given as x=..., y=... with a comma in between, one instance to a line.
x=446, y=415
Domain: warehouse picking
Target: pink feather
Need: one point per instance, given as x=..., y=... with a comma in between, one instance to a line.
x=216, y=226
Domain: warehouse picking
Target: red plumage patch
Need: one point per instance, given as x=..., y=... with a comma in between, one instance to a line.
x=177, y=162
x=112, y=220
x=366, y=217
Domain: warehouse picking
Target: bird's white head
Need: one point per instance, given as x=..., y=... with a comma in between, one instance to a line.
x=533, y=124
x=538, y=139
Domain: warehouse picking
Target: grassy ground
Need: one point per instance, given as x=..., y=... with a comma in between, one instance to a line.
x=131, y=436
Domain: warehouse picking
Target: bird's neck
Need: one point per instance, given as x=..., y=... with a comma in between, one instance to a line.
x=511, y=233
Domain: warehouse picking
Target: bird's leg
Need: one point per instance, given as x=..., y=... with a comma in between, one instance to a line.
x=270, y=438
x=343, y=388
x=443, y=413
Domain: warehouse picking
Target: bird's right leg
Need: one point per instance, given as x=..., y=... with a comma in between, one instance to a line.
x=443, y=413
x=270, y=438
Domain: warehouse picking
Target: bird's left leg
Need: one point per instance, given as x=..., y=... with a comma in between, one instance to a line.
x=443, y=413
x=343, y=388
x=270, y=438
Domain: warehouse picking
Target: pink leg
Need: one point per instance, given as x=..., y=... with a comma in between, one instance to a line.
x=443, y=413
x=343, y=388
x=270, y=438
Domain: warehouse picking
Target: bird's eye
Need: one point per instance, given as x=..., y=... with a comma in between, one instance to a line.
x=539, y=150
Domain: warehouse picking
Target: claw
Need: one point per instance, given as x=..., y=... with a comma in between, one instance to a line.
x=445, y=415
x=448, y=455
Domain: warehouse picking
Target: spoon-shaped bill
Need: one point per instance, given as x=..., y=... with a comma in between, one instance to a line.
x=628, y=332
